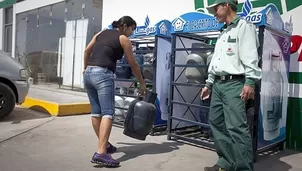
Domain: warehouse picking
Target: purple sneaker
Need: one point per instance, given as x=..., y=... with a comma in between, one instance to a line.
x=104, y=159
x=111, y=149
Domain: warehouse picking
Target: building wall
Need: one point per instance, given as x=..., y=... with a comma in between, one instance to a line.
x=40, y=31
x=156, y=10
x=1, y=29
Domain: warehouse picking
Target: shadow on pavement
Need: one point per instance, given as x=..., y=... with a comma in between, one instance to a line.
x=20, y=114
x=272, y=161
x=133, y=150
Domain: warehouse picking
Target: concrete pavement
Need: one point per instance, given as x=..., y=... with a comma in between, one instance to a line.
x=20, y=121
x=68, y=143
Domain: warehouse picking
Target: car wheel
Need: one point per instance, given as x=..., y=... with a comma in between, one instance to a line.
x=7, y=100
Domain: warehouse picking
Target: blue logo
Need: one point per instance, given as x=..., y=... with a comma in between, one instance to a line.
x=145, y=29
x=179, y=24
x=247, y=13
x=163, y=29
x=147, y=21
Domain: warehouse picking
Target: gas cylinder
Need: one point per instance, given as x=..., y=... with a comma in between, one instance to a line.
x=195, y=74
x=140, y=117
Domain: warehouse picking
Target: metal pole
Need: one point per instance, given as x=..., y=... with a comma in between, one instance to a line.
x=74, y=48
x=155, y=63
x=257, y=96
x=171, y=91
x=61, y=61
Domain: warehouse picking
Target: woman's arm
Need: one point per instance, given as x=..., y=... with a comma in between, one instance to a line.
x=127, y=47
x=88, y=50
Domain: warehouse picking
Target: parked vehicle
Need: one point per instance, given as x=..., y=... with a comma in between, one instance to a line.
x=13, y=84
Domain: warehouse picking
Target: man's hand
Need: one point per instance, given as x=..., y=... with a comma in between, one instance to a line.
x=247, y=93
x=205, y=93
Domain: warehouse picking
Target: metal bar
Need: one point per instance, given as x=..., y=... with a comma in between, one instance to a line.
x=260, y=49
x=138, y=42
x=188, y=84
x=128, y=65
x=73, y=58
x=190, y=121
x=190, y=65
x=125, y=95
x=190, y=36
x=154, y=88
x=142, y=51
x=188, y=104
x=170, y=107
x=130, y=80
x=183, y=45
x=121, y=108
x=263, y=149
x=195, y=141
x=196, y=49
x=61, y=61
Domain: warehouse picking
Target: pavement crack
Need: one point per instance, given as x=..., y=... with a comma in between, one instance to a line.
x=26, y=131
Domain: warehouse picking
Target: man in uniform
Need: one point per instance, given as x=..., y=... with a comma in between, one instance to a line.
x=231, y=82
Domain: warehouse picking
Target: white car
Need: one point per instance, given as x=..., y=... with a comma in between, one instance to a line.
x=14, y=86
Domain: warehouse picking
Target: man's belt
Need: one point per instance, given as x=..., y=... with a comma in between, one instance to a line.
x=229, y=77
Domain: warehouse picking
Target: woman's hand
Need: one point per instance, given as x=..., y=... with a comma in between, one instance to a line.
x=142, y=89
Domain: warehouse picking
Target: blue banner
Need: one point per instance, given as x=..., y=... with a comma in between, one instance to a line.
x=194, y=22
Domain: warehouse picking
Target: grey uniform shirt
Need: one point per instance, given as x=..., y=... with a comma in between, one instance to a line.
x=236, y=53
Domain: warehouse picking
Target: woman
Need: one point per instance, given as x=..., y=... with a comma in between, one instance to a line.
x=100, y=59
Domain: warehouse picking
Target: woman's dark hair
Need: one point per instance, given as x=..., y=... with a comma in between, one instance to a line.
x=124, y=20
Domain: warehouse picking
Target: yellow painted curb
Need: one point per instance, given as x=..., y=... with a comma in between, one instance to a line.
x=55, y=109
x=74, y=109
x=41, y=106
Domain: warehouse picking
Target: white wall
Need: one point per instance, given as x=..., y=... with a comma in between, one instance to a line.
x=156, y=10
x=1, y=29
x=26, y=6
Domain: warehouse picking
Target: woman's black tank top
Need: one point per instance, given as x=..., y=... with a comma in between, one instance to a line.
x=107, y=50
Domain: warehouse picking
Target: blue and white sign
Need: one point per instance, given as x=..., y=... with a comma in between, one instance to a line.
x=268, y=16
x=195, y=22
x=202, y=22
x=162, y=28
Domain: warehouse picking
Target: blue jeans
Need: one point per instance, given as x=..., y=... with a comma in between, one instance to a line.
x=99, y=84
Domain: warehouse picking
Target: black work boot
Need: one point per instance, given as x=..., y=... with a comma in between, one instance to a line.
x=214, y=168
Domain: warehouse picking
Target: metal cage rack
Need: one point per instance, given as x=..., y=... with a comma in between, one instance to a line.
x=125, y=88
x=188, y=113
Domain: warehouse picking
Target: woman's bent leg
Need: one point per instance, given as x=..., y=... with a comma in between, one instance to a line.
x=105, y=130
x=105, y=87
x=96, y=116
x=96, y=122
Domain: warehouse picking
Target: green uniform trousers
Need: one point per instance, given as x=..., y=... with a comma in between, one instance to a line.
x=228, y=121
